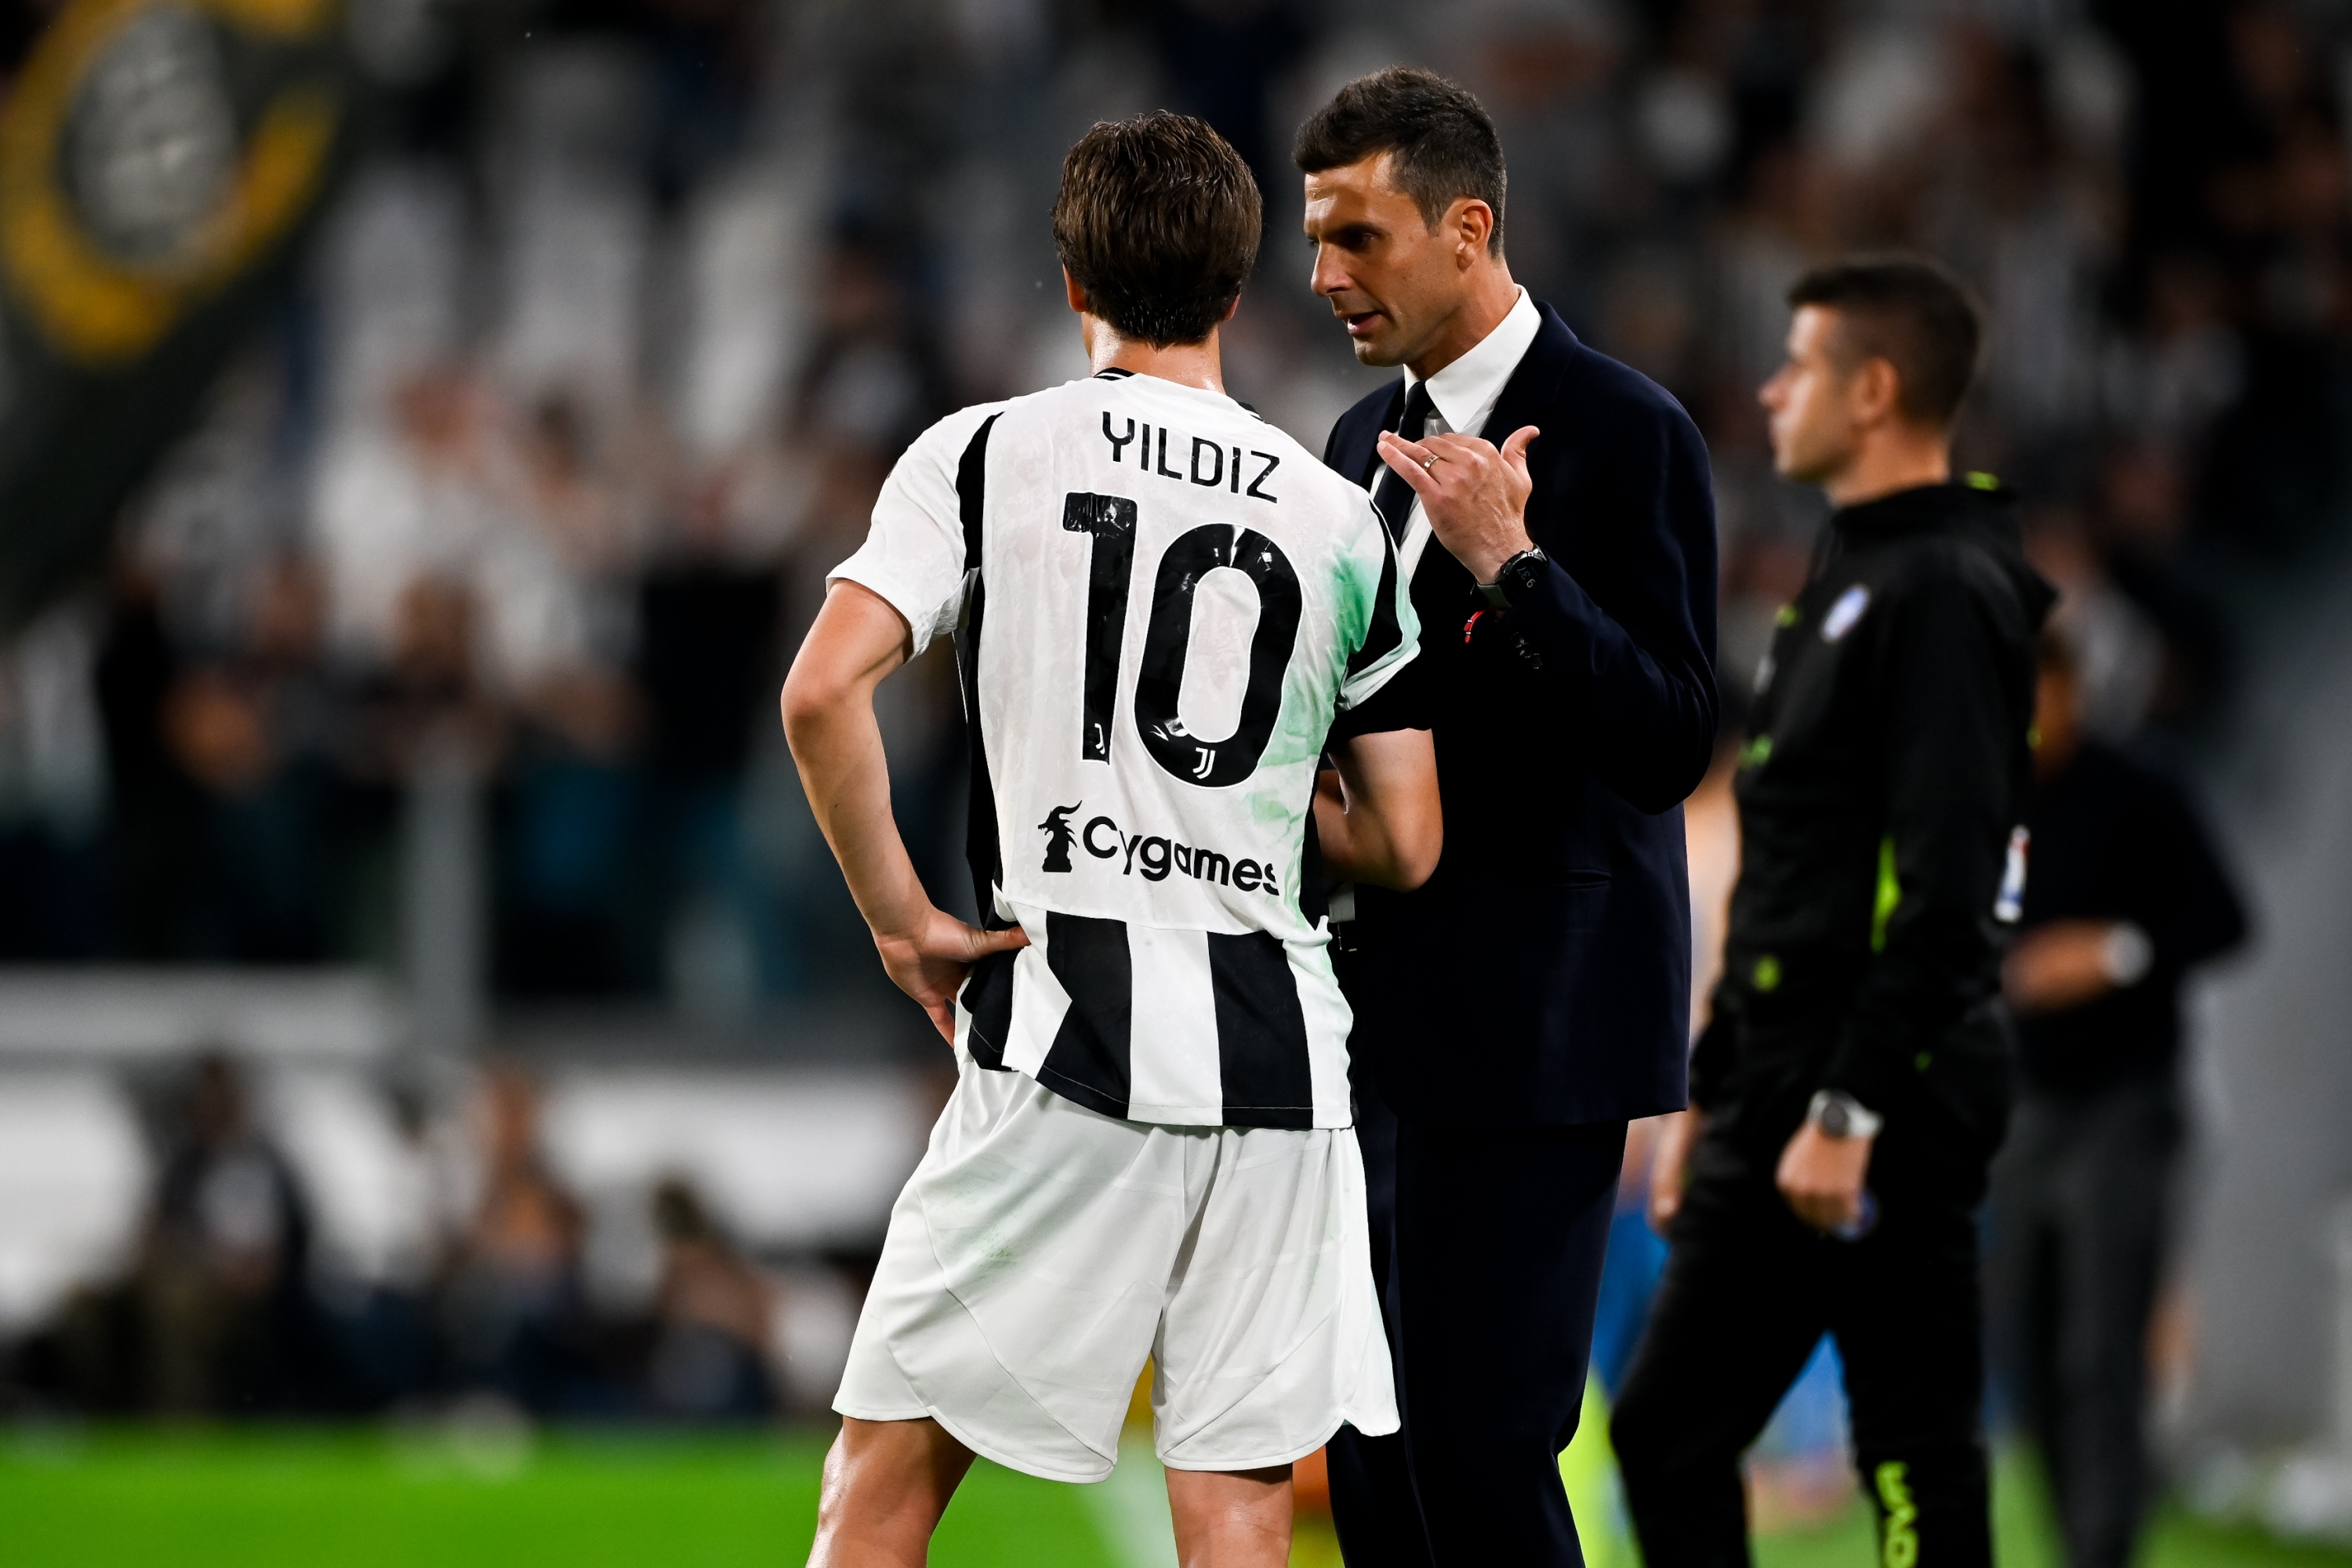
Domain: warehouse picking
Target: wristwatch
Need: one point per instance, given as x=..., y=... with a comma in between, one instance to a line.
x=1516, y=575
x=2127, y=955
x=1839, y=1115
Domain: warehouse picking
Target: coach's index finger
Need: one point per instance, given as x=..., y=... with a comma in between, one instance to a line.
x=1452, y=446
x=1407, y=458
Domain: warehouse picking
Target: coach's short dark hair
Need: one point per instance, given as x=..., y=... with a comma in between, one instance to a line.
x=1158, y=221
x=1912, y=313
x=1444, y=147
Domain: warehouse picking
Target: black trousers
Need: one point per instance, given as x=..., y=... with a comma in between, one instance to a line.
x=2079, y=1204
x=1746, y=1293
x=1488, y=1243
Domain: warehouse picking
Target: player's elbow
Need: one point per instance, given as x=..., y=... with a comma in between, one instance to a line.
x=813, y=695
x=1418, y=848
x=1409, y=843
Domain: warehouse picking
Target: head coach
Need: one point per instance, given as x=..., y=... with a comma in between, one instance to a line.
x=1554, y=513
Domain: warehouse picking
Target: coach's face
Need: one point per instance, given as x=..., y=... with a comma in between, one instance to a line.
x=1812, y=401
x=1392, y=280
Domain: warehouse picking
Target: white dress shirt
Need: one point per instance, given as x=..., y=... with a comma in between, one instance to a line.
x=1462, y=398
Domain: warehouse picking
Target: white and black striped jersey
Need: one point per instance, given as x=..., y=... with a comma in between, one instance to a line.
x=1159, y=602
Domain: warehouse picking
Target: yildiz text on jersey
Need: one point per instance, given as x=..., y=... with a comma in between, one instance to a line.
x=1156, y=858
x=1202, y=461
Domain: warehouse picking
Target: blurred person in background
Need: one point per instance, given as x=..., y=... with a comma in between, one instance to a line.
x=427, y=695
x=1151, y=1111
x=553, y=570
x=223, y=1282
x=262, y=731
x=154, y=809
x=711, y=1359
x=2127, y=896
x=511, y=1307
x=1512, y=1015
x=707, y=657
x=1853, y=1080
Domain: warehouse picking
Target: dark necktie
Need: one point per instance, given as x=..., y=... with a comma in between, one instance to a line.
x=1393, y=498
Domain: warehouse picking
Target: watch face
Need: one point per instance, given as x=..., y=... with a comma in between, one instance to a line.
x=1834, y=1121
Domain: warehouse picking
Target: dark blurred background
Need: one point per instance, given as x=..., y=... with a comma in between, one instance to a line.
x=424, y=979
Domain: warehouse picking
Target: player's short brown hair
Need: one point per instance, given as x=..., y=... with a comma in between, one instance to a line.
x=1442, y=144
x=1158, y=222
x=1910, y=312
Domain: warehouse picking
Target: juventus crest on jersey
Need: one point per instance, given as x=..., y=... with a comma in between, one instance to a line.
x=1160, y=601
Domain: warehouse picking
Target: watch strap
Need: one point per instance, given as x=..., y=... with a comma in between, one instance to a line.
x=1517, y=571
x=1839, y=1115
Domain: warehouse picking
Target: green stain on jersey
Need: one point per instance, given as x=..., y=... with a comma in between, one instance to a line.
x=1311, y=687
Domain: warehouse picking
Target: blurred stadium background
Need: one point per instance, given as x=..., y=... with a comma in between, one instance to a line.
x=425, y=1004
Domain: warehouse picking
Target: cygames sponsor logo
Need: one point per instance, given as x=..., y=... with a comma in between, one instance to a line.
x=1157, y=859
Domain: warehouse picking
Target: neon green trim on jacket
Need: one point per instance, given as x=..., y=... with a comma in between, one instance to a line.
x=1890, y=893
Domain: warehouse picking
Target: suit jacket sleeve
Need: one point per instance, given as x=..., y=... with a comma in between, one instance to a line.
x=1629, y=652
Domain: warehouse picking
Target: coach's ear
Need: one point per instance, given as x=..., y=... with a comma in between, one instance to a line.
x=1077, y=295
x=1235, y=305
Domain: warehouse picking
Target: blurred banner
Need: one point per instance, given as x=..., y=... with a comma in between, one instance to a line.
x=160, y=163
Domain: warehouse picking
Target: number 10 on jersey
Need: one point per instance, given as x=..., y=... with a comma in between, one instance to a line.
x=1109, y=522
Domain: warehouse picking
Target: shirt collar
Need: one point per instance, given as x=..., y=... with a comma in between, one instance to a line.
x=1466, y=391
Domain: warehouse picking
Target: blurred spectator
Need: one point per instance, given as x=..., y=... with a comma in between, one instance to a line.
x=2126, y=897
x=261, y=731
x=708, y=663
x=511, y=1307
x=629, y=308
x=152, y=806
x=711, y=1358
x=426, y=693
x=223, y=1281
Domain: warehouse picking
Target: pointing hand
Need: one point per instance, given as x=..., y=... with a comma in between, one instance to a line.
x=1474, y=493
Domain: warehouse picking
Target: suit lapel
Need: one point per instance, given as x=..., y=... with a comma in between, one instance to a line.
x=1355, y=445
x=1439, y=581
x=1534, y=384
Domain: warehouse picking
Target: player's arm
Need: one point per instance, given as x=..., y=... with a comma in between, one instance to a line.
x=828, y=706
x=1377, y=815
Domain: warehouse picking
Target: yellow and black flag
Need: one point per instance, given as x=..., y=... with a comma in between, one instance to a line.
x=160, y=163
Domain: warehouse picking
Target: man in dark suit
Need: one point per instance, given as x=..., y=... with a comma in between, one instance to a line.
x=1554, y=512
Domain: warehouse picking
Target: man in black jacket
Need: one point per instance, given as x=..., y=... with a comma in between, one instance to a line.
x=2126, y=897
x=1852, y=1083
x=1553, y=510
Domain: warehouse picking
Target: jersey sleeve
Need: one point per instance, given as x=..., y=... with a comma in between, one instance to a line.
x=1391, y=636
x=914, y=552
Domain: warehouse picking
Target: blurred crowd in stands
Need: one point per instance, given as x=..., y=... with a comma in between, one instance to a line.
x=487, y=1304
x=626, y=309
x=629, y=304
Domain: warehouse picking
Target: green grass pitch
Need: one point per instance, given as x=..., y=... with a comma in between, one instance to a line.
x=360, y=1498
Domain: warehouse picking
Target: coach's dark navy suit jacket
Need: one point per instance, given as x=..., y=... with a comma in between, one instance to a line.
x=1541, y=977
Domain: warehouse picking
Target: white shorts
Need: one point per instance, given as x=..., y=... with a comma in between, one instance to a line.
x=1042, y=1250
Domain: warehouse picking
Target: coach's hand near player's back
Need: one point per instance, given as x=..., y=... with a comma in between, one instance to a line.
x=1552, y=514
